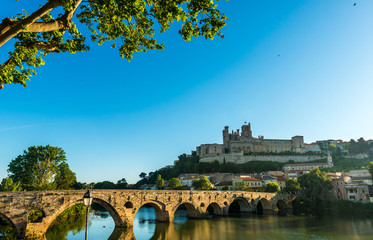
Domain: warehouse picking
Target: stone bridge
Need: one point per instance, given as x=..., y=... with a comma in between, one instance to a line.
x=123, y=205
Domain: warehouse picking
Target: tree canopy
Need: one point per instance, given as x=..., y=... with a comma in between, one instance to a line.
x=315, y=185
x=272, y=187
x=159, y=182
x=202, y=184
x=7, y=185
x=242, y=186
x=129, y=26
x=175, y=183
x=291, y=185
x=42, y=168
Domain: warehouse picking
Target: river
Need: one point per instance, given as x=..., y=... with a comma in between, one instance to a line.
x=101, y=226
x=247, y=227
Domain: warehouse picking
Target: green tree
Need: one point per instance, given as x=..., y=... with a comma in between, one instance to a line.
x=7, y=185
x=242, y=186
x=159, y=182
x=65, y=178
x=272, y=187
x=291, y=185
x=202, y=184
x=315, y=185
x=37, y=167
x=129, y=26
x=122, y=184
x=105, y=185
x=175, y=183
x=142, y=175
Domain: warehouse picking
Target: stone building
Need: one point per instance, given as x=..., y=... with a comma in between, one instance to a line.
x=244, y=142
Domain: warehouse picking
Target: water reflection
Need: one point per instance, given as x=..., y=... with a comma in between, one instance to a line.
x=244, y=227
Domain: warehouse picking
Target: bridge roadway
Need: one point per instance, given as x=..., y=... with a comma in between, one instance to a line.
x=123, y=205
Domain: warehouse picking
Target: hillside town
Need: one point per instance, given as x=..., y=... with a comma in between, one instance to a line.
x=299, y=158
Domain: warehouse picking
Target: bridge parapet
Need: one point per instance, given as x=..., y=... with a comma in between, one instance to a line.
x=124, y=204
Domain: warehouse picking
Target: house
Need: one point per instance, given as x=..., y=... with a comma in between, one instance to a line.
x=223, y=185
x=281, y=181
x=339, y=187
x=187, y=179
x=357, y=192
x=254, y=183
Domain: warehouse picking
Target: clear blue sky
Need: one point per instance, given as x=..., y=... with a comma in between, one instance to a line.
x=116, y=119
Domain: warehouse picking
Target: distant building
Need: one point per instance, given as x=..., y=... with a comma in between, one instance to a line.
x=304, y=166
x=187, y=179
x=312, y=147
x=339, y=187
x=254, y=183
x=223, y=185
x=281, y=181
x=357, y=192
x=246, y=143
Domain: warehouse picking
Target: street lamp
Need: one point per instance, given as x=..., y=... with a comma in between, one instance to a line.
x=87, y=198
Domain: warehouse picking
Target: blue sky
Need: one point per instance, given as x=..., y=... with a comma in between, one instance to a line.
x=116, y=119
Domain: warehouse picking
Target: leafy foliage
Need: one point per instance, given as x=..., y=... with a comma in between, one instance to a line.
x=129, y=26
x=105, y=185
x=6, y=230
x=38, y=166
x=36, y=216
x=242, y=186
x=359, y=146
x=122, y=184
x=159, y=182
x=65, y=178
x=175, y=183
x=315, y=185
x=291, y=185
x=202, y=184
x=7, y=185
x=272, y=187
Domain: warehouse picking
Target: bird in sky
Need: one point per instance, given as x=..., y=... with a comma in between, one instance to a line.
x=354, y=4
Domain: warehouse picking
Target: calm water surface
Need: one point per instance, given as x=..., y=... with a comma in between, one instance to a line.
x=248, y=227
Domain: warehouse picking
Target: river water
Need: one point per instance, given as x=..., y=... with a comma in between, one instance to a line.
x=247, y=227
x=101, y=226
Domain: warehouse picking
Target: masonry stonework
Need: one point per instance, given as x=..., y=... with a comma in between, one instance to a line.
x=124, y=204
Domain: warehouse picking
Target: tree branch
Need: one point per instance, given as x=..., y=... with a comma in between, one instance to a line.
x=10, y=28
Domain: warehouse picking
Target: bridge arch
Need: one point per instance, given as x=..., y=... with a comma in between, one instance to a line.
x=8, y=220
x=192, y=211
x=214, y=209
x=263, y=206
x=239, y=205
x=161, y=215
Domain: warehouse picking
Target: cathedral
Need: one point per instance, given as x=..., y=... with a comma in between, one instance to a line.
x=244, y=142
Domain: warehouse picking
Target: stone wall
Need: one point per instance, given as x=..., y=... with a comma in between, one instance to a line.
x=239, y=158
x=123, y=205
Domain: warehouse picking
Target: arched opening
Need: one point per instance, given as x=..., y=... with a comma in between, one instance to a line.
x=36, y=216
x=128, y=205
x=146, y=217
x=239, y=206
x=103, y=219
x=7, y=228
x=184, y=211
x=264, y=207
x=74, y=219
x=282, y=209
x=214, y=210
